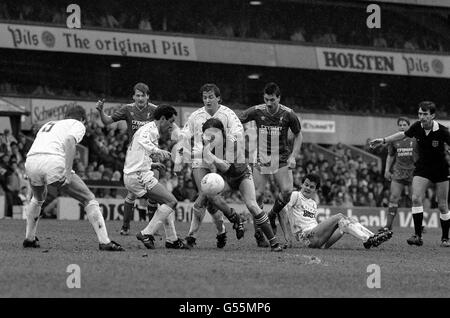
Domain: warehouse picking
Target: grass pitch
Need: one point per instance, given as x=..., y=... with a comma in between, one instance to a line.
x=239, y=270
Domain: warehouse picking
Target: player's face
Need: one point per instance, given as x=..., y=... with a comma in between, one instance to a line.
x=167, y=124
x=272, y=102
x=210, y=101
x=403, y=126
x=140, y=98
x=308, y=188
x=426, y=118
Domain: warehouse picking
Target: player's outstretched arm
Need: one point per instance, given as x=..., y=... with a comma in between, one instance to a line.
x=379, y=141
x=298, y=140
x=106, y=119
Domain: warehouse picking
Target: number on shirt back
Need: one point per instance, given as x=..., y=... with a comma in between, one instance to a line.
x=48, y=126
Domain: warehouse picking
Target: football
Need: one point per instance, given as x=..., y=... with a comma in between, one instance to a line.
x=212, y=183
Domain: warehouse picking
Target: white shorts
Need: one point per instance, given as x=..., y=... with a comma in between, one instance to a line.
x=44, y=169
x=140, y=182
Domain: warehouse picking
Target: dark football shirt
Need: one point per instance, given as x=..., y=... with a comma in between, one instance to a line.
x=431, y=147
x=404, y=153
x=135, y=117
x=272, y=127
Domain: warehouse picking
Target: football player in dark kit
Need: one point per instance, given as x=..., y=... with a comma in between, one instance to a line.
x=431, y=166
x=399, y=169
x=274, y=156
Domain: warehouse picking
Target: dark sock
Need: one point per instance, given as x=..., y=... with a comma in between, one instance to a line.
x=278, y=205
x=445, y=226
x=392, y=212
x=418, y=218
x=127, y=214
x=263, y=222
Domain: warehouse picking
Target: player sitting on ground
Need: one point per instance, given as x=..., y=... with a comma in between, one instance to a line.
x=49, y=162
x=301, y=214
x=237, y=176
x=139, y=178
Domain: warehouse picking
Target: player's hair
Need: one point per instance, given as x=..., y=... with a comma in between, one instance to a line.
x=400, y=119
x=313, y=178
x=214, y=123
x=76, y=112
x=272, y=88
x=428, y=106
x=210, y=87
x=141, y=87
x=164, y=110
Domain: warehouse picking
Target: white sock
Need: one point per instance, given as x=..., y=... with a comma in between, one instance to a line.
x=161, y=214
x=33, y=211
x=197, y=218
x=218, y=221
x=169, y=228
x=354, y=229
x=95, y=216
x=354, y=220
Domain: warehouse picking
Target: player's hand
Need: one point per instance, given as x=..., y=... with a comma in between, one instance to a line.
x=376, y=142
x=158, y=165
x=388, y=175
x=291, y=162
x=100, y=104
x=163, y=154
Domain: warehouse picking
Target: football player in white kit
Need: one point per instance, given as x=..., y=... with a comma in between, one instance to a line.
x=139, y=178
x=49, y=162
x=301, y=212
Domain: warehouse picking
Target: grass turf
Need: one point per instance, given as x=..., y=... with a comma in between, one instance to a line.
x=239, y=270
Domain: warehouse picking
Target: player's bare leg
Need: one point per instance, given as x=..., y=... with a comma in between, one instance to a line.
x=33, y=212
x=336, y=236
x=285, y=180
x=219, y=203
x=324, y=230
x=78, y=190
x=247, y=189
x=419, y=186
x=442, y=198
x=394, y=198
x=260, y=181
x=284, y=224
x=128, y=211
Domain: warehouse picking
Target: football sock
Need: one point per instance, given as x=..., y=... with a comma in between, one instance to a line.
x=263, y=223
x=354, y=228
x=152, y=206
x=33, y=212
x=95, y=216
x=445, y=224
x=417, y=213
x=218, y=221
x=169, y=228
x=128, y=208
x=161, y=214
x=197, y=217
x=392, y=212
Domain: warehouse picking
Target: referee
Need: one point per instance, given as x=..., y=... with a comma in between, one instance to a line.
x=431, y=166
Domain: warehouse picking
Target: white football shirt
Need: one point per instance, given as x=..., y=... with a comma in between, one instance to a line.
x=193, y=126
x=50, y=138
x=302, y=212
x=144, y=143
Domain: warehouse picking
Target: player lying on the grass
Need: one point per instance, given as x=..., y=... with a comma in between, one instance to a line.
x=301, y=212
x=49, y=163
x=237, y=176
x=139, y=178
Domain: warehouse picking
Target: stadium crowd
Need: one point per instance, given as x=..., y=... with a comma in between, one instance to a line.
x=348, y=181
x=324, y=23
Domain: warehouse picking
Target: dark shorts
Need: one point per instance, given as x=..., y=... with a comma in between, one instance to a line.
x=403, y=176
x=235, y=177
x=437, y=173
x=271, y=167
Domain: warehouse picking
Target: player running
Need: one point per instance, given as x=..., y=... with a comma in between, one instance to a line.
x=193, y=130
x=49, y=163
x=139, y=178
x=237, y=176
x=301, y=212
x=400, y=161
x=431, y=166
x=274, y=156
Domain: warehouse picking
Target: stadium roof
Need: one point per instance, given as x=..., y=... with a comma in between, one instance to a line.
x=7, y=109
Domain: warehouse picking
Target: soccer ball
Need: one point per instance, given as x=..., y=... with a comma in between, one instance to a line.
x=212, y=184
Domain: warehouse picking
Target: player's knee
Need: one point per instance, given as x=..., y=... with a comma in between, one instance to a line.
x=416, y=199
x=91, y=203
x=253, y=208
x=443, y=206
x=394, y=198
x=130, y=198
x=285, y=196
x=210, y=206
